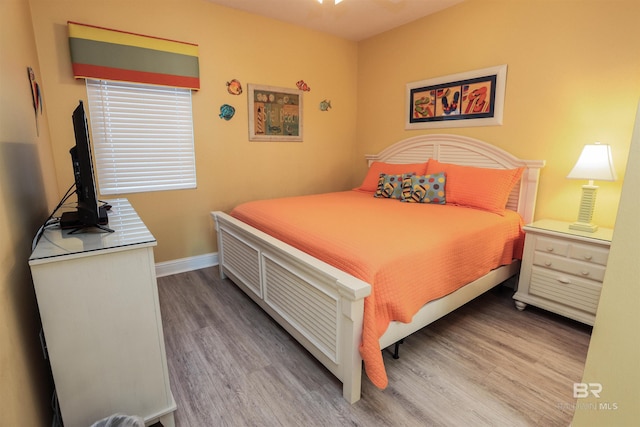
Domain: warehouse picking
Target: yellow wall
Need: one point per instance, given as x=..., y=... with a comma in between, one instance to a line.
x=230, y=169
x=572, y=79
x=27, y=188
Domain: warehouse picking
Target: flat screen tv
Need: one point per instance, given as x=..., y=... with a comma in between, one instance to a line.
x=89, y=212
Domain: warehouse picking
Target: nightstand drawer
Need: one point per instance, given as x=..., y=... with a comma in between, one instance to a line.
x=589, y=253
x=571, y=291
x=552, y=246
x=567, y=265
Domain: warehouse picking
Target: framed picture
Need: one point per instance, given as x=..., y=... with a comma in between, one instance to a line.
x=474, y=98
x=275, y=114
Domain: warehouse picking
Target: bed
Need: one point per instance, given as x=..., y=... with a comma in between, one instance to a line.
x=330, y=292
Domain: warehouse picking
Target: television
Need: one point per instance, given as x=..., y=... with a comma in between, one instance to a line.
x=90, y=212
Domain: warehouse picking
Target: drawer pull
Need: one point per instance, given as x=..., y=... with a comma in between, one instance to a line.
x=547, y=263
x=585, y=273
x=588, y=257
x=549, y=248
x=564, y=280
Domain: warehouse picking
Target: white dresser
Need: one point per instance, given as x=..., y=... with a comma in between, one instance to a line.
x=562, y=269
x=98, y=301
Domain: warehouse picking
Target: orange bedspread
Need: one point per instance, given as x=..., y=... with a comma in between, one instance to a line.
x=409, y=253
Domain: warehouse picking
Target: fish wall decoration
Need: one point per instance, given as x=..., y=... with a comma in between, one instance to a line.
x=234, y=87
x=227, y=112
x=303, y=86
x=325, y=105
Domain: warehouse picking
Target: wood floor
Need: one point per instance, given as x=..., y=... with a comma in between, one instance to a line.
x=486, y=364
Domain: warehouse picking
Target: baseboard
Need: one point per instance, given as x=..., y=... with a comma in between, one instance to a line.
x=168, y=268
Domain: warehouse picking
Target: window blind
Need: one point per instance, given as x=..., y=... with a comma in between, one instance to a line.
x=142, y=137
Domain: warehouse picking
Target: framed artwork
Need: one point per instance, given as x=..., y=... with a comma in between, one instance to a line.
x=275, y=114
x=474, y=98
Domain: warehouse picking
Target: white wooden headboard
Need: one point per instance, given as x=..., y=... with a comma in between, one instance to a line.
x=463, y=150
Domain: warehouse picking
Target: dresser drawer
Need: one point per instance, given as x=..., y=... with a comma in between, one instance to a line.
x=582, y=269
x=552, y=246
x=571, y=291
x=589, y=253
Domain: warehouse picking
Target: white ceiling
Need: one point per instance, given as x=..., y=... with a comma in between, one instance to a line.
x=352, y=19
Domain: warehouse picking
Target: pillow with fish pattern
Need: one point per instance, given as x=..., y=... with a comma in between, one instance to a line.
x=423, y=188
x=370, y=183
x=390, y=186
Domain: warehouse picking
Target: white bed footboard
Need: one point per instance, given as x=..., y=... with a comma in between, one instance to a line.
x=320, y=306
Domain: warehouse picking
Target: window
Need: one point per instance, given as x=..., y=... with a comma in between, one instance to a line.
x=142, y=137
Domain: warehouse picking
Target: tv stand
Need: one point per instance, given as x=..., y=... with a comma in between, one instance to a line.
x=98, y=301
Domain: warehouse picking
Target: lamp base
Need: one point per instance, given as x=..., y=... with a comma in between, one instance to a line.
x=583, y=226
x=587, y=203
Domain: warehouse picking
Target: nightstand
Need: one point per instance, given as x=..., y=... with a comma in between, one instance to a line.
x=562, y=269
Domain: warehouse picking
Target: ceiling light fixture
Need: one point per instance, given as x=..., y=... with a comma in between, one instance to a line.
x=335, y=2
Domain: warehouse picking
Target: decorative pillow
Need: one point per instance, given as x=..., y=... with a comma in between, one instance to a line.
x=481, y=188
x=390, y=186
x=424, y=188
x=370, y=183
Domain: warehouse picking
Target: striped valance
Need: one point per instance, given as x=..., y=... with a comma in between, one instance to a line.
x=105, y=54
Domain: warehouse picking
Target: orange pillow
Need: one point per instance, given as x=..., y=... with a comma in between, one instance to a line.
x=370, y=183
x=482, y=188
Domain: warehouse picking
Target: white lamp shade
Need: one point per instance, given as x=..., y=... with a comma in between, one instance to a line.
x=595, y=163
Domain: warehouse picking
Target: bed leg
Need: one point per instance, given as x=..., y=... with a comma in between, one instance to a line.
x=396, y=349
x=351, y=365
x=351, y=390
x=220, y=246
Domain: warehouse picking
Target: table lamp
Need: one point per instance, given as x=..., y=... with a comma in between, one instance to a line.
x=595, y=163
